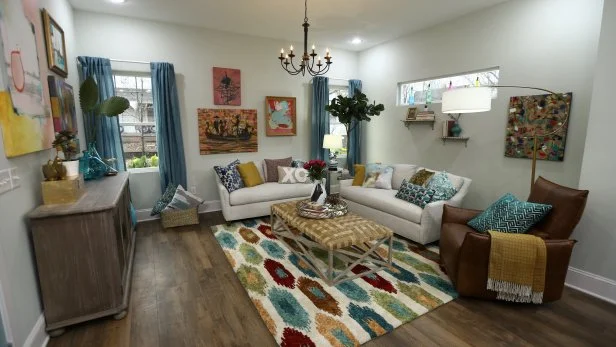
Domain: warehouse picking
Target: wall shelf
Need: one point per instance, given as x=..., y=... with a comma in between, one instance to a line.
x=408, y=123
x=455, y=139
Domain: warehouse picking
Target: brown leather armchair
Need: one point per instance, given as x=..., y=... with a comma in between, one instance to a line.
x=465, y=253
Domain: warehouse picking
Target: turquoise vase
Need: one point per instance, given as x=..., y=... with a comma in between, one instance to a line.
x=92, y=166
x=456, y=130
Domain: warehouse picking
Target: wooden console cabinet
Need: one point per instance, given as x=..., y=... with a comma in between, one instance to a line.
x=84, y=254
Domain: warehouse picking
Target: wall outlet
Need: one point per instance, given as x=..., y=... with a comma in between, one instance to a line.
x=5, y=181
x=15, y=178
x=193, y=189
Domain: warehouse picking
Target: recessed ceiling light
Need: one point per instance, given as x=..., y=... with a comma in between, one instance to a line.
x=117, y=1
x=356, y=41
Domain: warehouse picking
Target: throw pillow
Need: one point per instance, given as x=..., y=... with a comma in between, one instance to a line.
x=298, y=163
x=250, y=174
x=270, y=168
x=384, y=179
x=164, y=200
x=373, y=171
x=421, y=177
x=443, y=187
x=291, y=175
x=508, y=214
x=360, y=174
x=415, y=194
x=183, y=200
x=229, y=176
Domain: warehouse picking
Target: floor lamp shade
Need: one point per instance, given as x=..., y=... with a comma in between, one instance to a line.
x=467, y=100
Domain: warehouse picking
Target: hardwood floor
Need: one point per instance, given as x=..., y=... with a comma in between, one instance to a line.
x=184, y=293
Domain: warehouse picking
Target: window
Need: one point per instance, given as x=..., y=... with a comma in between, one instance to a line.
x=335, y=127
x=416, y=92
x=137, y=125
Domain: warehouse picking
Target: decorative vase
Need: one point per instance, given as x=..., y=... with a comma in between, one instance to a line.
x=72, y=167
x=319, y=194
x=92, y=165
x=456, y=130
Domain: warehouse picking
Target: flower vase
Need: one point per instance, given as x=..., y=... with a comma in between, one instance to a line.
x=456, y=130
x=319, y=194
x=92, y=165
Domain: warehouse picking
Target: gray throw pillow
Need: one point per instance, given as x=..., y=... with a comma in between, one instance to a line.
x=183, y=200
x=270, y=166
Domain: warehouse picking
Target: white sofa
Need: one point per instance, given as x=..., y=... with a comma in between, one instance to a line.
x=405, y=219
x=256, y=201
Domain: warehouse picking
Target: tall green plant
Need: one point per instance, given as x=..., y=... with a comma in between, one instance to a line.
x=357, y=107
x=89, y=101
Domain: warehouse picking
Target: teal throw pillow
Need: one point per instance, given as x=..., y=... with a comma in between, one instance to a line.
x=510, y=215
x=443, y=187
x=416, y=195
x=164, y=200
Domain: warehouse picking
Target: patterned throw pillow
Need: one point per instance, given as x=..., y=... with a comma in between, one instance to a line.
x=270, y=167
x=229, y=176
x=292, y=175
x=510, y=215
x=164, y=200
x=373, y=170
x=421, y=177
x=415, y=194
x=183, y=200
x=298, y=163
x=443, y=187
x=384, y=179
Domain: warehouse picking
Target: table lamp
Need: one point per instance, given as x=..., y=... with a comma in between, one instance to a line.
x=331, y=142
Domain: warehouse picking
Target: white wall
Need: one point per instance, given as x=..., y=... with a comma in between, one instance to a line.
x=194, y=52
x=596, y=232
x=17, y=269
x=544, y=43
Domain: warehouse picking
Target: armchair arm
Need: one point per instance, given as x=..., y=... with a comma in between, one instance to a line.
x=458, y=215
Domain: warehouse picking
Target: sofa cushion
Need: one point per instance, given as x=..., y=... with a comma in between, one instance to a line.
x=442, y=185
x=292, y=175
x=384, y=179
x=402, y=172
x=418, y=195
x=382, y=200
x=510, y=215
x=250, y=174
x=269, y=192
x=229, y=176
x=421, y=177
x=457, y=181
x=360, y=174
x=270, y=167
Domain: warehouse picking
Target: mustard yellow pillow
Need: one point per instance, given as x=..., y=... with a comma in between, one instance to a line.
x=360, y=173
x=250, y=175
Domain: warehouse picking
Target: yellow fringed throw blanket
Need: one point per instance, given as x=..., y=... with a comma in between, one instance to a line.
x=517, y=267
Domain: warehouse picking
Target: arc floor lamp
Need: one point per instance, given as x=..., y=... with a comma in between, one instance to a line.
x=479, y=99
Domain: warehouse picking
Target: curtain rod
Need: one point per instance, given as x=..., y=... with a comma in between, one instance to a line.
x=130, y=61
x=333, y=78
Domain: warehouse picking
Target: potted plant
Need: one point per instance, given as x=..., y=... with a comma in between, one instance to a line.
x=66, y=142
x=351, y=110
x=316, y=172
x=93, y=165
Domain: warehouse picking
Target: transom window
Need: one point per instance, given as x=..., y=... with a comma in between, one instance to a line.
x=335, y=127
x=417, y=92
x=137, y=124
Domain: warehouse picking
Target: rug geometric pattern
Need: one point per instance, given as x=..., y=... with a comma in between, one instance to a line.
x=299, y=309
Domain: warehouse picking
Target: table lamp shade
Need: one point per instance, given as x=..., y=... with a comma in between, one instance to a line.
x=332, y=141
x=467, y=100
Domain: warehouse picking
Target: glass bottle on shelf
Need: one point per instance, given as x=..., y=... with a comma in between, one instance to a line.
x=412, y=97
x=428, y=95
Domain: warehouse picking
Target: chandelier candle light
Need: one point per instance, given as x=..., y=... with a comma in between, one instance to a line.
x=307, y=61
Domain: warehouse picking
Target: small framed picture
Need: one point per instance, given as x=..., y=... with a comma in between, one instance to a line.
x=55, y=46
x=411, y=114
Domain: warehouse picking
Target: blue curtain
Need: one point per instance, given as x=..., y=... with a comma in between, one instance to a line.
x=107, y=137
x=320, y=118
x=172, y=164
x=354, y=140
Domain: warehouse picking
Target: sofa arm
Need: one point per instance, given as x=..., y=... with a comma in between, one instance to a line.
x=346, y=183
x=223, y=193
x=458, y=215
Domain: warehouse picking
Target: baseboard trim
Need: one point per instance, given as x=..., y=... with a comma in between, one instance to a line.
x=591, y=284
x=38, y=337
x=206, y=207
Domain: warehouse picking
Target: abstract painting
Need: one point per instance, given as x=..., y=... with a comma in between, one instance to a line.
x=227, y=87
x=62, y=105
x=280, y=116
x=56, y=48
x=27, y=124
x=227, y=131
x=538, y=114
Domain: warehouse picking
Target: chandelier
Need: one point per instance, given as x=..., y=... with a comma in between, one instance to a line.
x=307, y=61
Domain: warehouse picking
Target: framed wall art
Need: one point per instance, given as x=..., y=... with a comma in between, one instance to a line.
x=280, y=116
x=62, y=105
x=227, y=131
x=227, y=86
x=55, y=45
x=411, y=114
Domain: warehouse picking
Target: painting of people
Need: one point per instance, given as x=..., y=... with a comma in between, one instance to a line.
x=227, y=131
x=280, y=116
x=227, y=87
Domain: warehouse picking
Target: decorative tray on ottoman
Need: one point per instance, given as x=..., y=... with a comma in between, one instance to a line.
x=331, y=209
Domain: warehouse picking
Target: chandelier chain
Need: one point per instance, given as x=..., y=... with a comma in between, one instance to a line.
x=305, y=11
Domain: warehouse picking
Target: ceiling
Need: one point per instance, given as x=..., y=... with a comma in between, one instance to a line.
x=333, y=23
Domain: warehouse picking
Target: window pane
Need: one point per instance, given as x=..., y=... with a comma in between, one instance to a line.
x=335, y=127
x=137, y=123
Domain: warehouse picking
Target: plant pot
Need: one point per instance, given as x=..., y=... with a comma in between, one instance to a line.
x=72, y=167
x=319, y=194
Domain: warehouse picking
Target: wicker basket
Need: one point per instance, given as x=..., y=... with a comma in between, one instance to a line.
x=176, y=218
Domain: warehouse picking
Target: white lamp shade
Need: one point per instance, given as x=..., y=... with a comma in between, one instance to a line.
x=467, y=100
x=332, y=141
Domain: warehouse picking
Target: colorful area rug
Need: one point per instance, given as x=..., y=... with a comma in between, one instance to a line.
x=299, y=309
